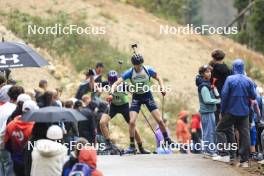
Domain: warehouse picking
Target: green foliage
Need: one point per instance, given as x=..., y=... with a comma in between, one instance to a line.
x=253, y=35
x=257, y=22
x=241, y=4
x=82, y=50
x=191, y=12
x=170, y=9
x=253, y=71
x=242, y=37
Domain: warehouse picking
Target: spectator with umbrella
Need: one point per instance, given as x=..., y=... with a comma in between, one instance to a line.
x=49, y=154
x=44, y=118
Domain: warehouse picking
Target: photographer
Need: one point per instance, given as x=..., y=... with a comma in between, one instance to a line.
x=86, y=85
x=92, y=76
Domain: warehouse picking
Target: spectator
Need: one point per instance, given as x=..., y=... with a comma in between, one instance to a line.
x=87, y=129
x=196, y=132
x=46, y=99
x=73, y=159
x=78, y=105
x=237, y=91
x=18, y=111
x=86, y=99
x=56, y=94
x=182, y=131
x=3, y=94
x=2, y=83
x=5, y=111
x=17, y=135
x=87, y=85
x=260, y=122
x=48, y=155
x=43, y=87
x=207, y=109
x=92, y=76
x=69, y=104
x=254, y=114
x=219, y=74
x=89, y=157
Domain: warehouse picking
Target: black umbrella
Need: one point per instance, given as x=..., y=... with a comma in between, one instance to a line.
x=53, y=114
x=16, y=55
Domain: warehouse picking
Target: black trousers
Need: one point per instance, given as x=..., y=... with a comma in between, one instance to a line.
x=226, y=136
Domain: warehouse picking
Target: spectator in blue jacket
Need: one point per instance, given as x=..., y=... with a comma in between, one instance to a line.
x=236, y=94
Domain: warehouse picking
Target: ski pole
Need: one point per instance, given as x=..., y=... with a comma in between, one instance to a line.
x=162, y=108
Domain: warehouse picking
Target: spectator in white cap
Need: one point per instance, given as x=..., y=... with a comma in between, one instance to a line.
x=49, y=155
x=29, y=105
x=17, y=135
x=18, y=111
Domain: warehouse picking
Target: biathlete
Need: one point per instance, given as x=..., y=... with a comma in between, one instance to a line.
x=140, y=77
x=118, y=104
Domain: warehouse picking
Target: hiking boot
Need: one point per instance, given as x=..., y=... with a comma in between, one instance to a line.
x=225, y=159
x=130, y=150
x=144, y=151
x=243, y=165
x=232, y=161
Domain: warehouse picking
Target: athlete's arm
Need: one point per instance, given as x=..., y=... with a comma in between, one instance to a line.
x=161, y=84
x=114, y=86
x=113, y=89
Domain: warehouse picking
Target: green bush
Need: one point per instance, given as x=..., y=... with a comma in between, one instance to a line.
x=82, y=50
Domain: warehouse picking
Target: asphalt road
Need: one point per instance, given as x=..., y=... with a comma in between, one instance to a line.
x=164, y=165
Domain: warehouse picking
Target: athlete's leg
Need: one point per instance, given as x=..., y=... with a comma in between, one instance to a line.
x=104, y=125
x=132, y=127
x=125, y=113
x=152, y=107
x=157, y=116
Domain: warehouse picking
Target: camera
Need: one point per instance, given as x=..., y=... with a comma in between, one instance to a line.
x=90, y=72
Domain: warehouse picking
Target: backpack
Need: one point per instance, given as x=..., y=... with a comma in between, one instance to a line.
x=81, y=169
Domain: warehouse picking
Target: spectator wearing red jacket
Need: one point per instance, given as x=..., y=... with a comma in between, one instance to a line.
x=196, y=132
x=17, y=135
